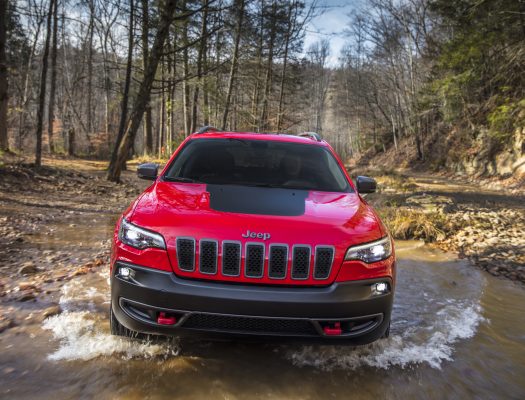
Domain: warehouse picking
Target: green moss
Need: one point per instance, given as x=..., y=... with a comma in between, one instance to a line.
x=504, y=119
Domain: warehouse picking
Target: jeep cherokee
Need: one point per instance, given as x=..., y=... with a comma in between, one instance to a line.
x=250, y=234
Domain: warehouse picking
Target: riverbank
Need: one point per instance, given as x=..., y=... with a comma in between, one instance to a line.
x=479, y=221
x=42, y=211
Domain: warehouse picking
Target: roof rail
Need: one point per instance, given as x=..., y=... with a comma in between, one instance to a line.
x=311, y=135
x=207, y=128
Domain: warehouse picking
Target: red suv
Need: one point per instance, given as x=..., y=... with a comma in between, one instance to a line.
x=252, y=234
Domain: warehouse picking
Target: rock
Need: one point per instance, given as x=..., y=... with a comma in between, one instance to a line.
x=28, y=268
x=27, y=286
x=6, y=324
x=50, y=311
x=27, y=297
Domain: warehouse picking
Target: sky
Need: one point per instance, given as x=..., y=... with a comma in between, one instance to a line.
x=330, y=24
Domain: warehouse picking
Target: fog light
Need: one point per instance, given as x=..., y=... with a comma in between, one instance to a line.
x=125, y=272
x=380, y=288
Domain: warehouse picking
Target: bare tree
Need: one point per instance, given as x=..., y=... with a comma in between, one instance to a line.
x=318, y=53
x=239, y=5
x=43, y=82
x=127, y=84
x=53, y=82
x=143, y=96
x=4, y=99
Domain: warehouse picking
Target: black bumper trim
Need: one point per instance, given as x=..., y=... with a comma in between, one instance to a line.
x=128, y=306
x=164, y=291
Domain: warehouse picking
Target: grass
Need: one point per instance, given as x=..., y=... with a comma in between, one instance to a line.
x=413, y=224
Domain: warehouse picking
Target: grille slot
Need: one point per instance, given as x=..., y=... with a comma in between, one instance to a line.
x=254, y=260
x=277, y=261
x=301, y=262
x=186, y=254
x=324, y=257
x=208, y=257
x=230, y=323
x=231, y=258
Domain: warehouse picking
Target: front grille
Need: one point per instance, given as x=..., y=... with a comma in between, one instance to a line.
x=301, y=262
x=230, y=323
x=230, y=258
x=323, y=262
x=277, y=261
x=186, y=254
x=208, y=257
x=254, y=260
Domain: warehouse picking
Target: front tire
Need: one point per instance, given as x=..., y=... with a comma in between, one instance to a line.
x=387, y=332
x=117, y=328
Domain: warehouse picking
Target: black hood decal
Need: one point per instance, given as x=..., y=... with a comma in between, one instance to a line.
x=257, y=200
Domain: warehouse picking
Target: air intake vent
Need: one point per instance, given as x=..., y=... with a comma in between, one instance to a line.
x=208, y=257
x=186, y=254
x=230, y=323
x=324, y=256
x=231, y=258
x=277, y=261
x=301, y=262
x=254, y=260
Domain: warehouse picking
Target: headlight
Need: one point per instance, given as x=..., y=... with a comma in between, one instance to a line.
x=139, y=238
x=370, y=252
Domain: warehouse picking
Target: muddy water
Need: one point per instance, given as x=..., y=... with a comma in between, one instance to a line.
x=456, y=333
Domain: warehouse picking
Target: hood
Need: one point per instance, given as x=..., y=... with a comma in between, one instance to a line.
x=284, y=215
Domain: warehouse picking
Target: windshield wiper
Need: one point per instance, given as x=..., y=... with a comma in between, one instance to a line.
x=180, y=179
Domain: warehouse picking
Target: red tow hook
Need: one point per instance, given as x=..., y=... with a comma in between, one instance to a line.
x=165, y=320
x=333, y=330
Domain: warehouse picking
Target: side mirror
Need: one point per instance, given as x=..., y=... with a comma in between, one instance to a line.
x=148, y=171
x=365, y=184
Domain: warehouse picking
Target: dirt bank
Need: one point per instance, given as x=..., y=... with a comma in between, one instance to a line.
x=484, y=223
x=65, y=195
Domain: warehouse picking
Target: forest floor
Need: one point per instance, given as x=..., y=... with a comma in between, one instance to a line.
x=69, y=200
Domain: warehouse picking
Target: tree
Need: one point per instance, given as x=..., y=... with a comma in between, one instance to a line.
x=127, y=84
x=143, y=96
x=43, y=82
x=4, y=99
x=148, y=131
x=53, y=82
x=235, y=60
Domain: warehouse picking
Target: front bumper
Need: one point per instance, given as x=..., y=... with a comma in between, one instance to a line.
x=218, y=309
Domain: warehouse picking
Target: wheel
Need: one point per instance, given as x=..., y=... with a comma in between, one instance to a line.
x=117, y=328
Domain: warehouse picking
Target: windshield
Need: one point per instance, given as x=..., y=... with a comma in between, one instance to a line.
x=261, y=163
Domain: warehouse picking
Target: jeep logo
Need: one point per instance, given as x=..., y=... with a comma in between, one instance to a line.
x=256, y=235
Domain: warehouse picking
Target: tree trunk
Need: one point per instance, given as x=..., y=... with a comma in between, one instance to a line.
x=89, y=125
x=4, y=99
x=202, y=50
x=148, y=132
x=173, y=78
x=185, y=86
x=263, y=120
x=256, y=88
x=43, y=81
x=125, y=94
x=71, y=142
x=285, y=62
x=52, y=88
x=162, y=112
x=143, y=96
x=235, y=61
